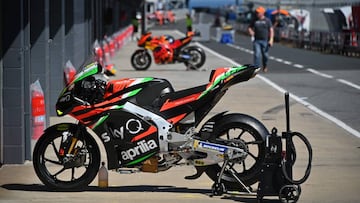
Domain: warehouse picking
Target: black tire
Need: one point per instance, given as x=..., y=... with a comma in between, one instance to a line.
x=49, y=165
x=140, y=60
x=197, y=57
x=234, y=127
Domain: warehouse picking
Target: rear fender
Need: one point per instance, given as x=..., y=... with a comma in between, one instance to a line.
x=208, y=128
x=186, y=50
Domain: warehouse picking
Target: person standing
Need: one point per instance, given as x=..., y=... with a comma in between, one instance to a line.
x=262, y=35
x=135, y=24
x=188, y=22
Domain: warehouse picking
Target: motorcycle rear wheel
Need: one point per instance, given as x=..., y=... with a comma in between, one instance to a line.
x=247, y=170
x=50, y=166
x=141, y=60
x=197, y=57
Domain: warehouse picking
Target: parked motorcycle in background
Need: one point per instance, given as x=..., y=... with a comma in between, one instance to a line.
x=167, y=50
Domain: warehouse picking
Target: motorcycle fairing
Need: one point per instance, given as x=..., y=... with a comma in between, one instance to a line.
x=221, y=76
x=91, y=69
x=120, y=91
x=65, y=101
x=182, y=97
x=153, y=103
x=203, y=98
x=129, y=135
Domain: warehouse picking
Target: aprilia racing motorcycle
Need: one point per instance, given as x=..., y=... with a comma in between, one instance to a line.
x=167, y=50
x=146, y=125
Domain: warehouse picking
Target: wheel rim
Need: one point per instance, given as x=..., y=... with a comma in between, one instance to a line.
x=141, y=60
x=247, y=170
x=57, y=171
x=253, y=147
x=195, y=57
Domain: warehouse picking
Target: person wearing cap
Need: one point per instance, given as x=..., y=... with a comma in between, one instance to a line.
x=262, y=35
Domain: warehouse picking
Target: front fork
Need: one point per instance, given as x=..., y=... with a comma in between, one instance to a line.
x=69, y=140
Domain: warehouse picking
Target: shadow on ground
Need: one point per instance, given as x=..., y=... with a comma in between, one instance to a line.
x=136, y=188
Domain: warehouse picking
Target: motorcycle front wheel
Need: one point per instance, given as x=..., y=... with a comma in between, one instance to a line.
x=60, y=170
x=197, y=57
x=239, y=132
x=141, y=60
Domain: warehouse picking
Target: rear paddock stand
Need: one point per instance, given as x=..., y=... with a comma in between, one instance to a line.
x=276, y=176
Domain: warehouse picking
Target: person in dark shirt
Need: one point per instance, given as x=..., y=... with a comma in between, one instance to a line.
x=262, y=35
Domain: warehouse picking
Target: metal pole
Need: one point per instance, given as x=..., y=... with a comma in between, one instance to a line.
x=287, y=109
x=143, y=16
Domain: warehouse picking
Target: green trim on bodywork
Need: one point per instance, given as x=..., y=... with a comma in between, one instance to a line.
x=90, y=69
x=103, y=118
x=147, y=79
x=100, y=121
x=134, y=92
x=222, y=77
x=141, y=159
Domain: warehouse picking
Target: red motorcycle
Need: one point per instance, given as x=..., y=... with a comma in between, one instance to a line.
x=167, y=50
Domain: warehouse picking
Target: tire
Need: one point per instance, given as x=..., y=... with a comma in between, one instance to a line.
x=141, y=60
x=50, y=166
x=197, y=57
x=236, y=126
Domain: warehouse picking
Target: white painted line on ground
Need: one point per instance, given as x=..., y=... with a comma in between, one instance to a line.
x=287, y=62
x=279, y=60
x=233, y=46
x=349, y=83
x=319, y=73
x=314, y=108
x=298, y=66
x=296, y=98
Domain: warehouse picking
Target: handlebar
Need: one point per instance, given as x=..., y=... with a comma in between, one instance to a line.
x=82, y=101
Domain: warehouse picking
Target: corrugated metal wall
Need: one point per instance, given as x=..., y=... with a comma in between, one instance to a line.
x=37, y=38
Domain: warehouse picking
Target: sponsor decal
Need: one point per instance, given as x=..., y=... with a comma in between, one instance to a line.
x=62, y=127
x=65, y=98
x=134, y=126
x=118, y=133
x=212, y=147
x=105, y=137
x=208, y=127
x=141, y=148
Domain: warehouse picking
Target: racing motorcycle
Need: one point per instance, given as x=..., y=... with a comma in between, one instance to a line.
x=166, y=50
x=146, y=125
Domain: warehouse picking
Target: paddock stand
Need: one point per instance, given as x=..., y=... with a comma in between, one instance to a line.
x=276, y=176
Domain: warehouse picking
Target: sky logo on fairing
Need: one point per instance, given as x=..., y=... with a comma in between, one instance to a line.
x=141, y=148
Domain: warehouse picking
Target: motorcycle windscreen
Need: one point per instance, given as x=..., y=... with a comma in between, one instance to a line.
x=135, y=139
